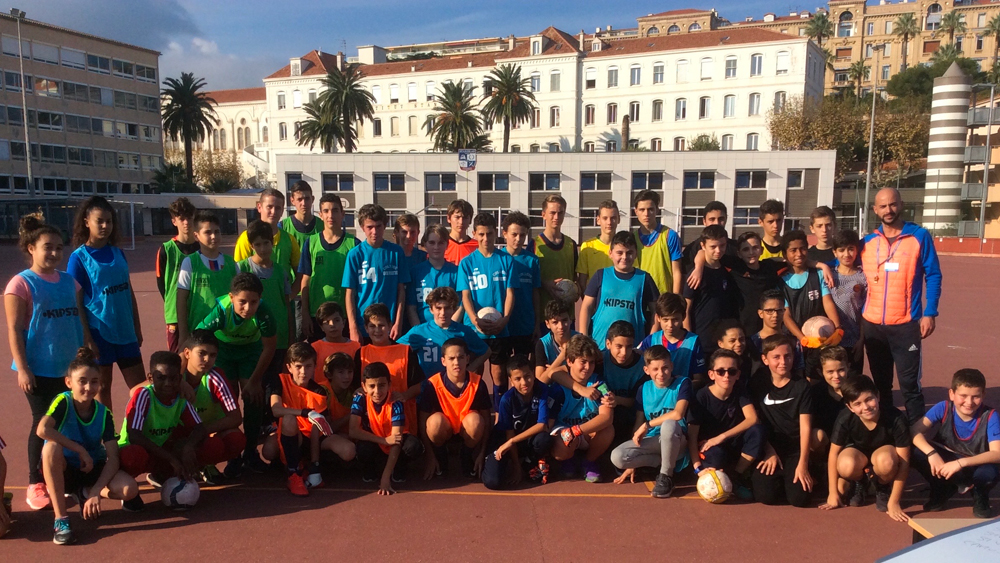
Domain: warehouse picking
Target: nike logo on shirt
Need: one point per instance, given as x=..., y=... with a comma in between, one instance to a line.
x=769, y=401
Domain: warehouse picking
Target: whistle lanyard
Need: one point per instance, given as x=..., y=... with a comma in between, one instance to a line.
x=878, y=251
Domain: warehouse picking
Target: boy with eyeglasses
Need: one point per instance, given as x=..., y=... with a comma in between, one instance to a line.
x=772, y=313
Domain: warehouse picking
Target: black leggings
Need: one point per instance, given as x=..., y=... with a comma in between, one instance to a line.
x=39, y=400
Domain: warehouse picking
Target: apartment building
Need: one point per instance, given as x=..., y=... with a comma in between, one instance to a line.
x=93, y=112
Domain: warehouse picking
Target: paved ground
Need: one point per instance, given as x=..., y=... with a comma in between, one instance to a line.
x=454, y=520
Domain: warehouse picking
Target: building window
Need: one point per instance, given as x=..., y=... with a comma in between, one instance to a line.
x=682, y=71
x=554, y=81
x=282, y=131
x=754, y=104
x=590, y=181
x=96, y=63
x=390, y=182
x=782, y=62
x=515, y=148
x=296, y=99
x=611, y=146
x=794, y=179
x=694, y=27
x=439, y=182
x=536, y=118
x=263, y=134
x=679, y=144
x=656, y=145
x=779, y=101
x=588, y=146
x=534, y=148
x=494, y=182
x=699, y=180
x=412, y=126
x=692, y=216
x=222, y=140
x=845, y=27
x=633, y=111
x=612, y=113
x=756, y=64
x=554, y=116
x=429, y=91
x=871, y=28
x=886, y=69
x=731, y=66
x=536, y=46
x=281, y=100
x=959, y=40
x=673, y=29
x=657, y=73
x=931, y=46
x=729, y=106
x=751, y=179
x=612, y=77
x=338, y=182
x=745, y=216
x=888, y=27
x=635, y=75
x=541, y=181
x=376, y=127
x=727, y=142
x=297, y=129
x=312, y=95
x=589, y=114
x=704, y=107
x=633, y=144
x=706, y=68
x=680, y=109
x=933, y=17
x=979, y=42
x=591, y=79
x=394, y=126
x=752, y=140
x=647, y=181
x=981, y=20
x=536, y=82
x=657, y=110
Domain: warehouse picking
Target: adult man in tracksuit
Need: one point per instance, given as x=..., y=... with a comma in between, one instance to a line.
x=898, y=258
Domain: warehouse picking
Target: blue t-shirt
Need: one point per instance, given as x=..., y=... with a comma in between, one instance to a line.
x=685, y=354
x=514, y=413
x=487, y=279
x=424, y=278
x=796, y=281
x=374, y=274
x=965, y=429
x=526, y=270
x=426, y=340
x=416, y=256
x=359, y=407
x=567, y=408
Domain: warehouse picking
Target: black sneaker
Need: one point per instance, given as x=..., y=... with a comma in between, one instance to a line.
x=133, y=505
x=663, y=487
x=981, y=503
x=254, y=463
x=467, y=459
x=61, y=532
x=234, y=469
x=857, y=493
x=442, y=458
x=940, y=494
x=398, y=474
x=882, y=491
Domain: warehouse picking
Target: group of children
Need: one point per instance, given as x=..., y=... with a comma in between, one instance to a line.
x=374, y=354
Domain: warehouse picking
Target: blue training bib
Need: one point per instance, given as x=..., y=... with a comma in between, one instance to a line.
x=619, y=300
x=54, y=332
x=87, y=434
x=109, y=308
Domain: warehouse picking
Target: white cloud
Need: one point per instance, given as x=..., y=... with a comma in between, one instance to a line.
x=205, y=46
x=219, y=69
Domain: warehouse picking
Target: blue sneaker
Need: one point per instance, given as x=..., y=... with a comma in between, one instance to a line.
x=62, y=534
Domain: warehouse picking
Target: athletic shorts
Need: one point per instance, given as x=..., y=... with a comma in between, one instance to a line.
x=172, y=343
x=125, y=355
x=238, y=361
x=74, y=478
x=524, y=345
x=499, y=350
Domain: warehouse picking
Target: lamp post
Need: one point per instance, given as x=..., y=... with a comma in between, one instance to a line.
x=18, y=15
x=871, y=142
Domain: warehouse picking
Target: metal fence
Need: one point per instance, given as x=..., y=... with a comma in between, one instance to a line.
x=60, y=212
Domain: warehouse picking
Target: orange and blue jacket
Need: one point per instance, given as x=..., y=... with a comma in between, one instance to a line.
x=896, y=275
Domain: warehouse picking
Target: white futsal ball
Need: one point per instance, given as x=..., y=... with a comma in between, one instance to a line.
x=714, y=486
x=489, y=314
x=179, y=494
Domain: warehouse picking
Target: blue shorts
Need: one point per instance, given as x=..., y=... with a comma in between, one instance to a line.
x=125, y=355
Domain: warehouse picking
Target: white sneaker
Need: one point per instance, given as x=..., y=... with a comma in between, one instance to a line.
x=314, y=480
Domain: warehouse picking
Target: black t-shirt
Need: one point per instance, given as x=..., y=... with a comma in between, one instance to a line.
x=715, y=416
x=429, y=403
x=780, y=408
x=715, y=299
x=825, y=407
x=751, y=284
x=822, y=256
x=849, y=431
x=691, y=250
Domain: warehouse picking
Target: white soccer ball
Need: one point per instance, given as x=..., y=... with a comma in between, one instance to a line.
x=714, y=486
x=568, y=291
x=178, y=494
x=489, y=314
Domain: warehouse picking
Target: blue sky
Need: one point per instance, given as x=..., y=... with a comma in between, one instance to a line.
x=234, y=44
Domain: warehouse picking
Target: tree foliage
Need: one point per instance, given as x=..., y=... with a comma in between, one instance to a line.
x=172, y=178
x=187, y=113
x=456, y=122
x=343, y=103
x=912, y=88
x=819, y=27
x=906, y=27
x=323, y=126
x=508, y=99
x=840, y=124
x=704, y=142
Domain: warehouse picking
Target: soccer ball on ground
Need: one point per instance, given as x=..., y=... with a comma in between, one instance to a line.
x=714, y=486
x=179, y=494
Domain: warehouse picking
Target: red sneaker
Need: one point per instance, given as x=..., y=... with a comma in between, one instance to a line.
x=38, y=496
x=296, y=486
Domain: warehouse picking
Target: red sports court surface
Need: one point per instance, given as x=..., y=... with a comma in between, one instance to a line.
x=455, y=520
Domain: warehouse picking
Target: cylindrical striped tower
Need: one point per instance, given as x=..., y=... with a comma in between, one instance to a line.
x=946, y=151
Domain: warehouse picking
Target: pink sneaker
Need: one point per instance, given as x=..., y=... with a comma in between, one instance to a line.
x=38, y=496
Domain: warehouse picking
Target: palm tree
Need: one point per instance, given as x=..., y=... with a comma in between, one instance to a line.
x=347, y=101
x=508, y=98
x=171, y=178
x=946, y=54
x=187, y=114
x=323, y=127
x=905, y=27
x=857, y=72
x=820, y=28
x=456, y=123
x=951, y=23
x=993, y=28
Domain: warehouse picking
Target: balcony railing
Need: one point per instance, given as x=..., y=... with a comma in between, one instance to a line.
x=972, y=192
x=981, y=116
x=968, y=228
x=975, y=155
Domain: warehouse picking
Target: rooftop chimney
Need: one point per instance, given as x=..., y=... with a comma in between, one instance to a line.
x=510, y=43
x=582, y=36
